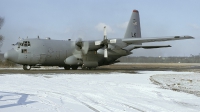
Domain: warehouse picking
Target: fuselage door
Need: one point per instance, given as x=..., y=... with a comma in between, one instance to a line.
x=42, y=58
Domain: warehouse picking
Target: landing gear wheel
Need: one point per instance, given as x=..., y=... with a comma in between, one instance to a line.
x=67, y=67
x=74, y=67
x=87, y=68
x=26, y=67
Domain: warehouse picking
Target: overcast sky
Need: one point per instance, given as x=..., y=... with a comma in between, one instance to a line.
x=64, y=19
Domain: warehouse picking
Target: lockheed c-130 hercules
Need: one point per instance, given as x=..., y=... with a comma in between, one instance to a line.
x=87, y=54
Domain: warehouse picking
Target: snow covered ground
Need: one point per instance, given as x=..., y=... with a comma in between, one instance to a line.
x=179, y=82
x=114, y=92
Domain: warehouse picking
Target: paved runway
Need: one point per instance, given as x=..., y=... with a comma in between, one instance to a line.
x=121, y=68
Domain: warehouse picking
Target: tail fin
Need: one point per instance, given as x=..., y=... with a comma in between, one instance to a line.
x=133, y=29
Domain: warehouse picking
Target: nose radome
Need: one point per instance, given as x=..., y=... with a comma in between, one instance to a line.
x=11, y=55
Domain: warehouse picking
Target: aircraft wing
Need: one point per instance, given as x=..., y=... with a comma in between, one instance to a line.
x=145, y=40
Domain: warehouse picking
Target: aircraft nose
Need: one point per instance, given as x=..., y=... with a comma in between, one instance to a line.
x=6, y=55
x=11, y=55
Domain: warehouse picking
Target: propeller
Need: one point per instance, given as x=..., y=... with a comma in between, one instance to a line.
x=105, y=43
x=83, y=46
x=79, y=43
x=80, y=48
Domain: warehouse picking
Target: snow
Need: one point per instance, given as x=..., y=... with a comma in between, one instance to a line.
x=21, y=68
x=118, y=92
x=179, y=82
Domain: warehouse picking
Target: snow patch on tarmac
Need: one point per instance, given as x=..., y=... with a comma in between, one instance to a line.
x=189, y=83
x=118, y=92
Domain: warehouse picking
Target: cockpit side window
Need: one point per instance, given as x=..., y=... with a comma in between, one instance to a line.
x=24, y=50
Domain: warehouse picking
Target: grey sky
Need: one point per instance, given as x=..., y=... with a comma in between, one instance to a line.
x=63, y=19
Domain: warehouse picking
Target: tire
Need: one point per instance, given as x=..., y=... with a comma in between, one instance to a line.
x=26, y=67
x=74, y=67
x=67, y=67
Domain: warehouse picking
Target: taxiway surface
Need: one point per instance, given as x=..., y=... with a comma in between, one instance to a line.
x=120, y=68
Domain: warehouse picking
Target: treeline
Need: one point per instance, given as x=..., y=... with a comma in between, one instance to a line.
x=140, y=59
x=6, y=63
x=143, y=59
x=1, y=37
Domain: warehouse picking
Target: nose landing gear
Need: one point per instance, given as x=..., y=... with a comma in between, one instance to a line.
x=26, y=67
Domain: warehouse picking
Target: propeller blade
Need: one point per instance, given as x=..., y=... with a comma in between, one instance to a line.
x=105, y=53
x=85, y=47
x=105, y=35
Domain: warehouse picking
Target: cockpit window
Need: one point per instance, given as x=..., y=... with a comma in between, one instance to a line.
x=26, y=43
x=24, y=50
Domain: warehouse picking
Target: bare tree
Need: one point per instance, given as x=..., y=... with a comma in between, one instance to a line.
x=1, y=41
x=1, y=22
x=1, y=37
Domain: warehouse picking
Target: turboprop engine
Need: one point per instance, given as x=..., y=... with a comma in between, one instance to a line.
x=80, y=50
x=72, y=60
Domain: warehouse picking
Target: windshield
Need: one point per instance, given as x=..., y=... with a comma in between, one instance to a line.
x=24, y=43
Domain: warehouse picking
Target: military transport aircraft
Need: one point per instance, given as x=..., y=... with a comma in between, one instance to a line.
x=87, y=54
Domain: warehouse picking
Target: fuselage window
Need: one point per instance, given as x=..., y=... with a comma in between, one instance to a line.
x=24, y=50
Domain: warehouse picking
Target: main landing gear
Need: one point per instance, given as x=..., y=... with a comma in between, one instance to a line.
x=73, y=67
x=87, y=68
x=67, y=67
x=26, y=67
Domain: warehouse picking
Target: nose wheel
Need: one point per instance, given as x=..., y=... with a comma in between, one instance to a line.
x=26, y=67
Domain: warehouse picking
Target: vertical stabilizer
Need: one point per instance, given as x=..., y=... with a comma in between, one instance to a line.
x=133, y=29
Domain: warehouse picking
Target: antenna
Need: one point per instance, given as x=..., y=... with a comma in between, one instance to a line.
x=105, y=34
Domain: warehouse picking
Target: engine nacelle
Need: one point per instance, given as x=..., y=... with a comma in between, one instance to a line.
x=72, y=61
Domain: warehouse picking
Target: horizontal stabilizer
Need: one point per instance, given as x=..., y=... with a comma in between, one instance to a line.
x=145, y=40
x=131, y=47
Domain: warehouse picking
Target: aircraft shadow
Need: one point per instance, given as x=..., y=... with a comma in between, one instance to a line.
x=11, y=97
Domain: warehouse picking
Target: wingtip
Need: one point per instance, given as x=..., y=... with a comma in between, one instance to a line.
x=186, y=37
x=190, y=37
